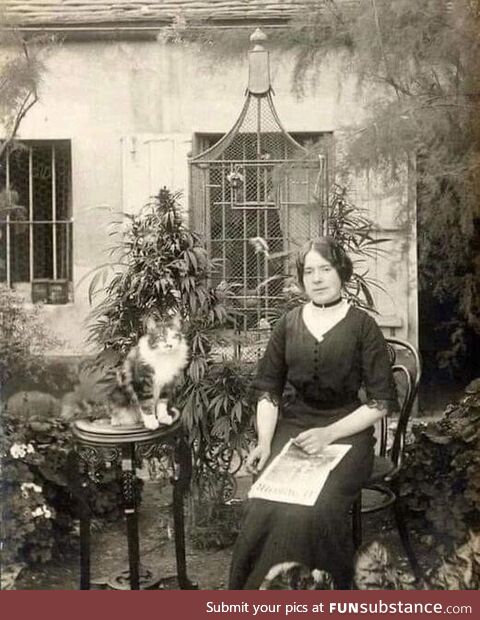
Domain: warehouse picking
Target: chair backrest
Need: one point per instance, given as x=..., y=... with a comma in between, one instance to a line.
x=407, y=370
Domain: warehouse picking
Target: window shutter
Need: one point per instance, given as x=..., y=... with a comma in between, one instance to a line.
x=392, y=208
x=150, y=162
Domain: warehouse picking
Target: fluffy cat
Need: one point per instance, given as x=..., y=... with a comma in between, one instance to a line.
x=148, y=374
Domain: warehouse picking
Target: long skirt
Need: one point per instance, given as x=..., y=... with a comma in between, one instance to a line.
x=318, y=536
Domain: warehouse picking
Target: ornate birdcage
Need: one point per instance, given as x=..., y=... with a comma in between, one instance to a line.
x=257, y=195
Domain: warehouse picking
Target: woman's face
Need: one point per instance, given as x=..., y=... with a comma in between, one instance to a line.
x=321, y=281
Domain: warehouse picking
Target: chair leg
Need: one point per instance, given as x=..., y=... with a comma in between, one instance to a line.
x=406, y=540
x=357, y=522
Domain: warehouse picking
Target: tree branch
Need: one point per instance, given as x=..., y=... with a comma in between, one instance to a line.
x=24, y=108
x=389, y=78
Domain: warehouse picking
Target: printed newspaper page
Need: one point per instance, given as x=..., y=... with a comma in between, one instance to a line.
x=295, y=477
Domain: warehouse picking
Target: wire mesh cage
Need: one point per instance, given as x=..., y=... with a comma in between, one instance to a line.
x=256, y=196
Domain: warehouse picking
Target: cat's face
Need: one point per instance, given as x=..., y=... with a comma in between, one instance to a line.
x=164, y=334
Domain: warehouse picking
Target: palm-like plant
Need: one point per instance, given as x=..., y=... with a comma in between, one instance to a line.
x=354, y=231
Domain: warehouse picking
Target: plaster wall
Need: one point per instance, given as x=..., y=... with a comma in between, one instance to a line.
x=130, y=110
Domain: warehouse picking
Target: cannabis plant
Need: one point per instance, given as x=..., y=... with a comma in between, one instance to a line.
x=163, y=266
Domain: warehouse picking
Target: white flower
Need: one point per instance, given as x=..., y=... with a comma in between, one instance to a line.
x=30, y=486
x=30, y=448
x=42, y=511
x=18, y=450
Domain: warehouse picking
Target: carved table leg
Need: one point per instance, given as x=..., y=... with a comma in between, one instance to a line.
x=77, y=472
x=181, y=479
x=130, y=511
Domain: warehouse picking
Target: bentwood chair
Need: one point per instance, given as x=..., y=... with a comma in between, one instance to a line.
x=382, y=490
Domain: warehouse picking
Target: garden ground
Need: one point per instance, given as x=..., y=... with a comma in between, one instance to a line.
x=207, y=567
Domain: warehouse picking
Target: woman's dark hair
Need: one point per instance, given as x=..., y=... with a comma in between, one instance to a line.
x=331, y=251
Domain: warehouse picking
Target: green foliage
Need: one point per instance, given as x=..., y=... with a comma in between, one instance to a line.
x=416, y=63
x=351, y=227
x=23, y=340
x=26, y=520
x=224, y=434
x=461, y=570
x=38, y=483
x=355, y=232
x=440, y=480
x=222, y=411
x=375, y=569
x=215, y=527
x=163, y=267
x=22, y=64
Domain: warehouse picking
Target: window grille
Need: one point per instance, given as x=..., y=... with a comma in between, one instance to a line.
x=36, y=229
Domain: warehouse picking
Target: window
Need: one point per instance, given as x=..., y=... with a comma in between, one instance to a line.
x=36, y=237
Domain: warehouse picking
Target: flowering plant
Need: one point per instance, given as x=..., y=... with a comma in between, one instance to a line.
x=26, y=524
x=38, y=504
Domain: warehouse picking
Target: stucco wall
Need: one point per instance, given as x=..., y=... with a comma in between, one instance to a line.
x=130, y=110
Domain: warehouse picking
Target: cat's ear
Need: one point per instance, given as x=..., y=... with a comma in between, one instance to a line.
x=176, y=321
x=150, y=323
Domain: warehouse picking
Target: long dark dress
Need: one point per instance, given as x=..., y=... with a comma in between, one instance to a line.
x=315, y=383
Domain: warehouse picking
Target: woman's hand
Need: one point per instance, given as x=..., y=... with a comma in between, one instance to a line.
x=257, y=458
x=314, y=440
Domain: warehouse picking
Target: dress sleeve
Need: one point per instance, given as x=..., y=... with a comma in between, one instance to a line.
x=377, y=372
x=272, y=368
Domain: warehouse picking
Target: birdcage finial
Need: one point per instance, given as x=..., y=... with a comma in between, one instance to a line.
x=259, y=65
x=257, y=38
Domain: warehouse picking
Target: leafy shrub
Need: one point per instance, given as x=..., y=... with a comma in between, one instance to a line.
x=441, y=474
x=225, y=429
x=26, y=521
x=38, y=498
x=37, y=511
x=24, y=340
x=351, y=227
x=216, y=526
x=226, y=432
x=375, y=568
x=164, y=267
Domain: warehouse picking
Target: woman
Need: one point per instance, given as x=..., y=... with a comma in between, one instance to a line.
x=318, y=357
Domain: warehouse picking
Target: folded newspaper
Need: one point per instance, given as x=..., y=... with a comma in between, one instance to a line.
x=296, y=477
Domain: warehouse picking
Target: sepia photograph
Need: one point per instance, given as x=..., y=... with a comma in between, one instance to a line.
x=240, y=245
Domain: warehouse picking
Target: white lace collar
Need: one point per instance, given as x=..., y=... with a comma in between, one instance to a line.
x=319, y=321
